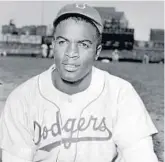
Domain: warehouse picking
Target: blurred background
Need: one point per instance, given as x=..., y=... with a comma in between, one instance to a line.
x=133, y=30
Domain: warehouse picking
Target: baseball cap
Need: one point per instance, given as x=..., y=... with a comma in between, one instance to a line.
x=83, y=10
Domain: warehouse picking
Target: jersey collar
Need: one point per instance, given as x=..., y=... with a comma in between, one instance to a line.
x=52, y=94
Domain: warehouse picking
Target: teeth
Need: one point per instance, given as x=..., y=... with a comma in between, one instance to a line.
x=70, y=67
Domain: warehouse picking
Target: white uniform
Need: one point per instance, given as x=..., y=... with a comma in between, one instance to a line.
x=115, y=55
x=51, y=51
x=42, y=124
x=44, y=50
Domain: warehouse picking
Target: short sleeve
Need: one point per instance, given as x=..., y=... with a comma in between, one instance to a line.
x=7, y=157
x=133, y=122
x=15, y=135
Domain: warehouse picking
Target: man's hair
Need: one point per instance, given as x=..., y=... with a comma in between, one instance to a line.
x=78, y=18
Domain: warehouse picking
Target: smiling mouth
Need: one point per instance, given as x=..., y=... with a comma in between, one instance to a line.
x=70, y=68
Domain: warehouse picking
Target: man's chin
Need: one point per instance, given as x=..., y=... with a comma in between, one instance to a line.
x=71, y=79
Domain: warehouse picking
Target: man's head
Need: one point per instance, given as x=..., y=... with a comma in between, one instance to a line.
x=77, y=41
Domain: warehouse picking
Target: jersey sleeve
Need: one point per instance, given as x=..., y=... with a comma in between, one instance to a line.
x=7, y=157
x=15, y=135
x=142, y=151
x=133, y=122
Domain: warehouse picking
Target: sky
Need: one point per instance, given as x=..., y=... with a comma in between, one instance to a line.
x=142, y=15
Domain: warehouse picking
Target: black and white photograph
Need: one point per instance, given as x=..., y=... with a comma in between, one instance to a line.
x=82, y=81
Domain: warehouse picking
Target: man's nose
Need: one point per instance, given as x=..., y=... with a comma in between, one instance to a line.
x=72, y=50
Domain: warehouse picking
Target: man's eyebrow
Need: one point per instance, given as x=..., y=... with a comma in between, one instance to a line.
x=61, y=37
x=80, y=41
x=86, y=40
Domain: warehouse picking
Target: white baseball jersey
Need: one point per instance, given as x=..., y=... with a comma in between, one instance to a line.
x=42, y=124
x=44, y=50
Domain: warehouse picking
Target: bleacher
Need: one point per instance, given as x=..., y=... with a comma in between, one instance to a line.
x=136, y=55
x=20, y=49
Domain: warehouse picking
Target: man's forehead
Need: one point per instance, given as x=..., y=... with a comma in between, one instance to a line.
x=72, y=29
x=73, y=22
x=74, y=38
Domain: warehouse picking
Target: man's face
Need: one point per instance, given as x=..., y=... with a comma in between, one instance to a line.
x=75, y=49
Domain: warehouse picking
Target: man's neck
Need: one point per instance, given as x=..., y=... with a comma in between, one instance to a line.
x=71, y=87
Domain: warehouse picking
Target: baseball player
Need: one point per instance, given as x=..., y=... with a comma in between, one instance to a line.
x=115, y=55
x=146, y=58
x=44, y=50
x=74, y=112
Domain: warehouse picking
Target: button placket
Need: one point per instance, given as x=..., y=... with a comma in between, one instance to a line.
x=69, y=99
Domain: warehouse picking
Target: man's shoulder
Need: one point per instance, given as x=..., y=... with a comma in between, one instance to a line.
x=30, y=87
x=113, y=79
x=25, y=88
x=115, y=86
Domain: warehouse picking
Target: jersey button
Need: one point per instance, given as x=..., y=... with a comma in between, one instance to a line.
x=69, y=100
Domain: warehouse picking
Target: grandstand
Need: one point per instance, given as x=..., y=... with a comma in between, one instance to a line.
x=157, y=38
x=116, y=34
x=157, y=35
x=27, y=40
x=109, y=14
x=154, y=47
x=24, y=41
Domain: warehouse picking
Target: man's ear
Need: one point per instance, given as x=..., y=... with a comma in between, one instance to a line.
x=98, y=50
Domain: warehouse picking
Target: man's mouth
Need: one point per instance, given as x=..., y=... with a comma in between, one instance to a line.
x=70, y=67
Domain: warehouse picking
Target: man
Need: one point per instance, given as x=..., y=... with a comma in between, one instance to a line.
x=146, y=58
x=44, y=50
x=74, y=112
x=115, y=55
x=134, y=54
x=51, y=52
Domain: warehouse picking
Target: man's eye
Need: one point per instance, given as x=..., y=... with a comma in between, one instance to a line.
x=61, y=42
x=84, y=45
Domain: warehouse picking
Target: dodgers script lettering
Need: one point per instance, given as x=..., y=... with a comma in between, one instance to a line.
x=71, y=128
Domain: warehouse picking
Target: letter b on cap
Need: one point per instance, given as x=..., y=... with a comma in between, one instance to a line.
x=81, y=6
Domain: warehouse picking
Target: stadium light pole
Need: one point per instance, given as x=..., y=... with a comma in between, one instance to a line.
x=42, y=13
